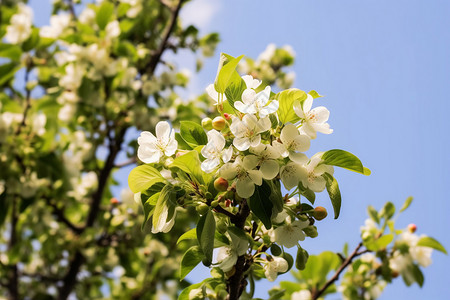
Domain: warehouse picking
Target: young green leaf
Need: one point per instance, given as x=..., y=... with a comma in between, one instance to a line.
x=235, y=89
x=148, y=206
x=225, y=72
x=286, y=101
x=182, y=144
x=143, y=177
x=190, y=164
x=314, y=94
x=193, y=133
x=190, y=260
x=261, y=205
x=188, y=235
x=388, y=210
x=407, y=203
x=206, y=229
x=307, y=193
x=373, y=214
x=344, y=159
x=432, y=243
x=334, y=193
x=104, y=14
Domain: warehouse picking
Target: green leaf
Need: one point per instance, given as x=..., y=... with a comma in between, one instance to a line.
x=431, y=243
x=188, y=235
x=190, y=260
x=165, y=207
x=344, y=159
x=302, y=258
x=148, y=206
x=182, y=144
x=388, y=210
x=275, y=196
x=307, y=193
x=261, y=205
x=10, y=51
x=334, y=193
x=226, y=71
x=275, y=250
x=206, y=229
x=373, y=214
x=407, y=203
x=190, y=164
x=104, y=14
x=32, y=41
x=286, y=101
x=412, y=274
x=193, y=133
x=7, y=72
x=315, y=94
x=383, y=241
x=143, y=177
x=235, y=89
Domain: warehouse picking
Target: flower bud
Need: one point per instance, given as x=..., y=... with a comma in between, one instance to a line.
x=227, y=116
x=202, y=208
x=207, y=123
x=114, y=201
x=221, y=184
x=320, y=213
x=218, y=123
x=412, y=228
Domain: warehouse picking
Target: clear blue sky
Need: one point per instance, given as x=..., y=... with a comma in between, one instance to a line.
x=384, y=68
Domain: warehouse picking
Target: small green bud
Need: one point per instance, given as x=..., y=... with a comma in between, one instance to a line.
x=207, y=123
x=219, y=123
x=214, y=203
x=320, y=213
x=202, y=208
x=209, y=196
x=221, y=184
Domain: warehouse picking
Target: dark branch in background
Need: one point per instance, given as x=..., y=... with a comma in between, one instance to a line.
x=13, y=284
x=62, y=217
x=69, y=280
x=236, y=283
x=72, y=9
x=126, y=163
x=317, y=293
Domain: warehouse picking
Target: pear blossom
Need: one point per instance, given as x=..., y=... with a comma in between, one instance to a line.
x=247, y=131
x=164, y=225
x=73, y=77
x=152, y=148
x=257, y=103
x=312, y=120
x=268, y=53
x=227, y=255
x=57, y=25
x=20, y=29
x=289, y=234
x=39, y=122
x=245, y=174
x=399, y=262
x=314, y=181
x=301, y=295
x=369, y=229
x=292, y=142
x=275, y=266
x=267, y=156
x=419, y=253
x=214, y=151
x=293, y=172
x=211, y=91
x=112, y=30
x=250, y=82
x=87, y=16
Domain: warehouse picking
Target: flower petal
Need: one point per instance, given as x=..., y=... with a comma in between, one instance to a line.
x=269, y=169
x=250, y=162
x=245, y=187
x=241, y=143
x=321, y=114
x=163, y=131
x=288, y=134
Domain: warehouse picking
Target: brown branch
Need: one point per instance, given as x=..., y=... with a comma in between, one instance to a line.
x=236, y=283
x=156, y=58
x=62, y=217
x=69, y=279
x=126, y=163
x=317, y=293
x=13, y=280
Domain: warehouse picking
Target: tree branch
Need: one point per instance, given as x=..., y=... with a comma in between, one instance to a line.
x=62, y=217
x=13, y=284
x=317, y=293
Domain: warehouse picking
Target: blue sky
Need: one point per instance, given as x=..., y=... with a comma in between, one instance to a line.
x=384, y=69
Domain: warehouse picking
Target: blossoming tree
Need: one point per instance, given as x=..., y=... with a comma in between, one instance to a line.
x=232, y=170
x=74, y=93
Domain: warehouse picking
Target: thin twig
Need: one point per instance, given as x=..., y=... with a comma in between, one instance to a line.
x=317, y=293
x=126, y=163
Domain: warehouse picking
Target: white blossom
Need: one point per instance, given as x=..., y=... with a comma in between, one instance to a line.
x=211, y=91
x=267, y=156
x=314, y=180
x=73, y=77
x=369, y=229
x=301, y=295
x=214, y=151
x=257, y=103
x=228, y=255
x=268, y=53
x=20, y=29
x=312, y=120
x=289, y=234
x=245, y=174
x=275, y=266
x=152, y=148
x=292, y=142
x=87, y=16
x=293, y=172
x=164, y=225
x=58, y=23
x=112, y=30
x=247, y=131
x=250, y=82
x=39, y=122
